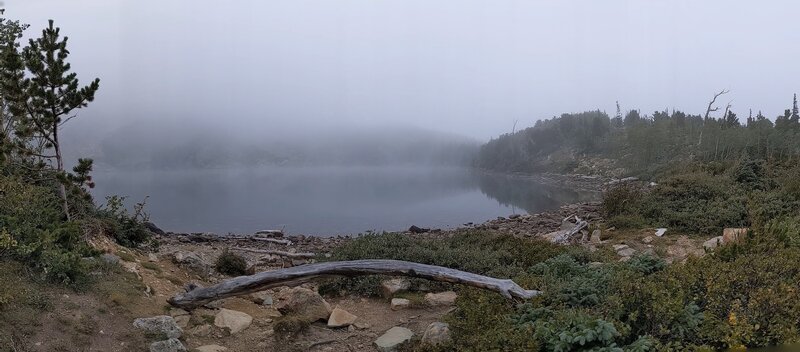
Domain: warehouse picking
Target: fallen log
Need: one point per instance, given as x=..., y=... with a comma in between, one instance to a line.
x=271, y=240
x=567, y=235
x=304, y=255
x=300, y=274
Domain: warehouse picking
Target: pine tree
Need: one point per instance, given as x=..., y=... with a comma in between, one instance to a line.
x=11, y=73
x=45, y=100
x=795, y=115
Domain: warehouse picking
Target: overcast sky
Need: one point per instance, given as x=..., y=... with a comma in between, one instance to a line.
x=467, y=67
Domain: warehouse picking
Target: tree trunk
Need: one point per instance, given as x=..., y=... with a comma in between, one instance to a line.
x=62, y=190
x=297, y=275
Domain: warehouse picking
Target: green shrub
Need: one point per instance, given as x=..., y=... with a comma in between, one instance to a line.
x=230, y=263
x=126, y=229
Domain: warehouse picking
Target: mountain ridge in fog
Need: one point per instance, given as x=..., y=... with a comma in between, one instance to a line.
x=173, y=145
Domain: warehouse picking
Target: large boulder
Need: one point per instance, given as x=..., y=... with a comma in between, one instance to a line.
x=447, y=298
x=233, y=320
x=162, y=324
x=393, y=339
x=302, y=302
x=730, y=235
x=192, y=262
x=171, y=345
x=437, y=333
x=341, y=318
x=392, y=286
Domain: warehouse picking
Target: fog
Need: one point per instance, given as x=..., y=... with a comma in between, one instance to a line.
x=279, y=69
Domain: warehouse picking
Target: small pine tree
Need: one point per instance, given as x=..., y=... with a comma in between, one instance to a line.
x=45, y=100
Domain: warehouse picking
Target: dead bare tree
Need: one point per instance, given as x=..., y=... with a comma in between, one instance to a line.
x=711, y=108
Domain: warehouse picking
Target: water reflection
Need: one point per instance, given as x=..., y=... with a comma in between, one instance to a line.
x=329, y=200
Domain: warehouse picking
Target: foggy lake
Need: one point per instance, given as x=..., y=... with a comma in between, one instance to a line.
x=327, y=200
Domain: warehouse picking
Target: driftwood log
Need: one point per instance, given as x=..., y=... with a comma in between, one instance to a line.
x=566, y=236
x=251, y=238
x=300, y=274
x=302, y=255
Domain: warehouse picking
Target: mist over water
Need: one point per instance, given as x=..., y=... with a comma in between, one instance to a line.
x=327, y=200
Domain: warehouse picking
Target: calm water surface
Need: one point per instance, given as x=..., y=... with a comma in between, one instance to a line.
x=328, y=200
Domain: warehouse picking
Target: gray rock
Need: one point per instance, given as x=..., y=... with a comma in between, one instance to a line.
x=261, y=297
x=392, y=286
x=626, y=252
x=162, y=324
x=171, y=345
x=393, y=339
x=233, y=320
x=201, y=330
x=211, y=348
x=648, y=239
x=713, y=243
x=400, y=303
x=302, y=302
x=340, y=318
x=110, y=258
x=447, y=298
x=191, y=261
x=596, y=236
x=437, y=333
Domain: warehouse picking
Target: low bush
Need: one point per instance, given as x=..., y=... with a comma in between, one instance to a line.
x=230, y=263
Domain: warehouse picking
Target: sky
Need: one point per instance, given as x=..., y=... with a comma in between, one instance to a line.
x=465, y=67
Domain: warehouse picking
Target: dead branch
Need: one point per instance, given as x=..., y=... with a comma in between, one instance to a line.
x=567, y=236
x=711, y=109
x=300, y=274
x=304, y=255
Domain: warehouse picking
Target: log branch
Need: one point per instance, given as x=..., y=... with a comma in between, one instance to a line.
x=303, y=255
x=300, y=274
x=567, y=236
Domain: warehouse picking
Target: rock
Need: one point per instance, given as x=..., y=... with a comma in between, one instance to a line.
x=392, y=286
x=730, y=235
x=171, y=345
x=110, y=258
x=447, y=298
x=153, y=228
x=595, y=238
x=626, y=252
x=234, y=320
x=192, y=262
x=552, y=236
x=261, y=297
x=713, y=243
x=618, y=247
x=514, y=216
x=437, y=333
x=162, y=324
x=200, y=330
x=152, y=257
x=416, y=229
x=567, y=225
x=211, y=348
x=393, y=339
x=361, y=325
x=340, y=317
x=301, y=301
x=660, y=231
x=270, y=233
x=182, y=320
x=400, y=303
x=648, y=239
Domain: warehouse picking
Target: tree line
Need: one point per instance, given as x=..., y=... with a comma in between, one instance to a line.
x=638, y=141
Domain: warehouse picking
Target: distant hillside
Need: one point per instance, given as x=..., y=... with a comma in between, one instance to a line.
x=172, y=146
x=593, y=142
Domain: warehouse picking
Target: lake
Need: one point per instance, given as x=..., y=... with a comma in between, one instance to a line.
x=328, y=200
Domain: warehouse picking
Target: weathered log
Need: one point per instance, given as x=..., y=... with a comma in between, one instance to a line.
x=300, y=274
x=271, y=240
x=271, y=233
x=567, y=236
x=304, y=255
